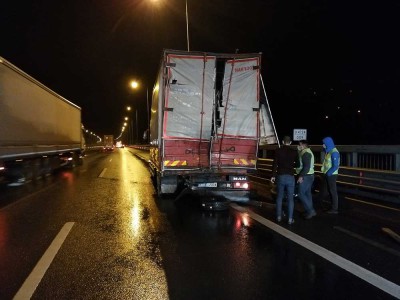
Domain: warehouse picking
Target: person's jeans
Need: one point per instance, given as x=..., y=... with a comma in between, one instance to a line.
x=329, y=186
x=305, y=195
x=285, y=183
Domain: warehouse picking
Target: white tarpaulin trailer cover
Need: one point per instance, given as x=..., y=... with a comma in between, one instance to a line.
x=189, y=97
x=240, y=101
x=202, y=96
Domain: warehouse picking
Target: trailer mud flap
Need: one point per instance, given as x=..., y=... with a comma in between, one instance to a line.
x=168, y=184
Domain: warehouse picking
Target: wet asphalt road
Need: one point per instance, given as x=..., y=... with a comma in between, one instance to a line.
x=127, y=244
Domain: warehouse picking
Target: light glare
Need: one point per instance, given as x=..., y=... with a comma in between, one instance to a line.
x=134, y=84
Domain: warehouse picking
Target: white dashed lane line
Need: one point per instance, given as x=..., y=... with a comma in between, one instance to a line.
x=31, y=283
x=103, y=172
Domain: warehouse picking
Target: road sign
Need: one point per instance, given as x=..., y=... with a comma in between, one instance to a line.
x=299, y=134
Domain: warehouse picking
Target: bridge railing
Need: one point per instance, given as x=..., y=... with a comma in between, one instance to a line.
x=357, y=156
x=371, y=171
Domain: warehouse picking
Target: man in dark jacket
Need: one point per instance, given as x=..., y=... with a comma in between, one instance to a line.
x=283, y=170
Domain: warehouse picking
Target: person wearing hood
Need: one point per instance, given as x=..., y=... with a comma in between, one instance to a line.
x=330, y=170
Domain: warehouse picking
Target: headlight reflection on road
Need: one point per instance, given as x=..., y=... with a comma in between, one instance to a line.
x=147, y=280
x=133, y=198
x=135, y=217
x=242, y=221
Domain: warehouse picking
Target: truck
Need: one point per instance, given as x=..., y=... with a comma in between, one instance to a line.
x=108, y=143
x=207, y=121
x=39, y=129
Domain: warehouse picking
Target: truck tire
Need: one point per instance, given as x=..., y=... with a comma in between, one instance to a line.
x=158, y=186
x=76, y=160
x=36, y=168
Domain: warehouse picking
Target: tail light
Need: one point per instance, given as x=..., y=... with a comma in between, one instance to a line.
x=241, y=184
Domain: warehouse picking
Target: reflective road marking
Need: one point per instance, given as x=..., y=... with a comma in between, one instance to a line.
x=368, y=241
x=372, y=278
x=28, y=288
x=373, y=204
x=103, y=172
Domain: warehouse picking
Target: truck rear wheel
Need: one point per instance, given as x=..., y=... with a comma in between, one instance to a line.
x=158, y=185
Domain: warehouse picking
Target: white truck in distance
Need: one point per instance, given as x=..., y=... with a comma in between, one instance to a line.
x=108, y=143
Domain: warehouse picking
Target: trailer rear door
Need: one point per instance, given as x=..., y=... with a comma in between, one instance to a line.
x=188, y=111
x=237, y=136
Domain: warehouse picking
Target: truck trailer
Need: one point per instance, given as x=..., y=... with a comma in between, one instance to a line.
x=206, y=123
x=108, y=143
x=39, y=129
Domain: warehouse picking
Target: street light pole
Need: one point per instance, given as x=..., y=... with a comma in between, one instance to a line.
x=187, y=23
x=131, y=132
x=148, y=116
x=137, y=129
x=187, y=26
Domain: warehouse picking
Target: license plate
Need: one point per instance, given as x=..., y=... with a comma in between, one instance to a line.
x=208, y=184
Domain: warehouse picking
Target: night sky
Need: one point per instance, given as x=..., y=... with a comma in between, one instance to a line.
x=320, y=58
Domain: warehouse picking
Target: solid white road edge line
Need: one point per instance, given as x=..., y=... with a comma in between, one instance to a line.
x=372, y=278
x=31, y=283
x=103, y=172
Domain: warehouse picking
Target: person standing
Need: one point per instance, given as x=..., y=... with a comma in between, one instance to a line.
x=305, y=178
x=330, y=170
x=283, y=170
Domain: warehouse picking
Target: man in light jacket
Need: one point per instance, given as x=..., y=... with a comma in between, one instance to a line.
x=305, y=178
x=330, y=170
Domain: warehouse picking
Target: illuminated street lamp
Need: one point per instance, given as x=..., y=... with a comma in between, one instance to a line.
x=128, y=108
x=135, y=84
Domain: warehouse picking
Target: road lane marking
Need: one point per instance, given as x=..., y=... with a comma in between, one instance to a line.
x=372, y=278
x=368, y=241
x=103, y=172
x=373, y=204
x=31, y=283
x=28, y=196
